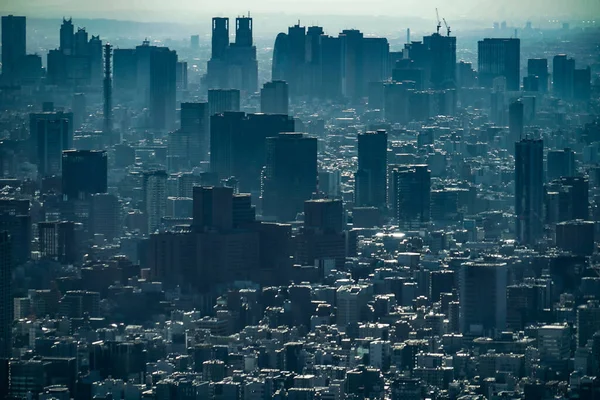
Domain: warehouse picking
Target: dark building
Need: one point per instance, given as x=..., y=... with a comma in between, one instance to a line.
x=220, y=36
x=515, y=121
x=499, y=57
x=576, y=237
x=371, y=177
x=582, y=79
x=567, y=198
x=105, y=215
x=238, y=145
x=410, y=195
x=57, y=241
x=274, y=98
x=563, y=69
x=222, y=100
x=538, y=67
x=50, y=134
x=6, y=297
x=163, y=82
x=13, y=46
x=443, y=60
x=560, y=163
x=195, y=127
x=482, y=296
x=529, y=190
x=84, y=173
x=290, y=175
x=124, y=72
x=15, y=218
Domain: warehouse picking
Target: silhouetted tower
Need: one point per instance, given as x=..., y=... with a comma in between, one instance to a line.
x=243, y=31
x=67, y=32
x=529, y=190
x=107, y=94
x=220, y=36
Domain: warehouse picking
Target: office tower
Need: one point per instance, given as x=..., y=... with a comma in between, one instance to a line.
x=274, y=98
x=238, y=145
x=576, y=237
x=221, y=100
x=6, y=308
x=50, y=134
x=13, y=45
x=331, y=66
x=538, y=67
x=181, y=75
x=84, y=173
x=163, y=65
x=515, y=121
x=582, y=79
x=371, y=177
x=105, y=215
x=195, y=126
x=324, y=215
x=441, y=281
x=351, y=301
x=352, y=63
x=67, y=33
x=588, y=322
x=482, y=295
x=290, y=175
x=572, y=198
x=124, y=71
x=554, y=346
x=396, y=101
x=213, y=208
x=220, y=37
x=563, y=69
x=410, y=194
x=15, y=218
x=78, y=108
x=529, y=190
x=560, y=163
x=57, y=241
x=154, y=188
x=499, y=57
x=80, y=41
x=443, y=60
x=107, y=89
x=96, y=53
x=243, y=31
x=195, y=42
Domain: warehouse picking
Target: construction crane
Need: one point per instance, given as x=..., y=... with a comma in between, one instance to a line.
x=439, y=23
x=447, y=27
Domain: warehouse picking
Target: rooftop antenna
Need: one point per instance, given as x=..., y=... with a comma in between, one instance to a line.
x=447, y=27
x=439, y=23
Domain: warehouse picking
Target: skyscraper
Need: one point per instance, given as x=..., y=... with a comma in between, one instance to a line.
x=243, y=31
x=560, y=163
x=50, y=134
x=482, y=288
x=154, y=187
x=274, y=98
x=13, y=45
x=220, y=37
x=563, y=69
x=529, y=190
x=290, y=175
x=499, y=57
x=195, y=125
x=221, y=100
x=163, y=66
x=84, y=173
x=515, y=121
x=6, y=306
x=539, y=67
x=371, y=177
x=67, y=37
x=443, y=59
x=410, y=195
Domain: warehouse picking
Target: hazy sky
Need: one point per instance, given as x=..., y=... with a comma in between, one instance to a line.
x=190, y=10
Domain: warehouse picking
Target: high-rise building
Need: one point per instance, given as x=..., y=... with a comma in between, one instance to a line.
x=15, y=218
x=57, y=241
x=195, y=42
x=221, y=100
x=67, y=37
x=410, y=195
x=125, y=71
x=195, y=125
x=105, y=215
x=274, y=98
x=154, y=188
x=290, y=175
x=371, y=177
x=238, y=145
x=560, y=163
x=163, y=82
x=588, y=322
x=554, y=346
x=563, y=69
x=13, y=45
x=529, y=190
x=538, y=67
x=515, y=121
x=220, y=37
x=324, y=215
x=482, y=296
x=499, y=57
x=213, y=208
x=582, y=78
x=567, y=199
x=84, y=173
x=443, y=60
x=6, y=300
x=50, y=134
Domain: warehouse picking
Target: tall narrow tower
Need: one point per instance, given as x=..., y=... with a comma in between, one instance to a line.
x=107, y=129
